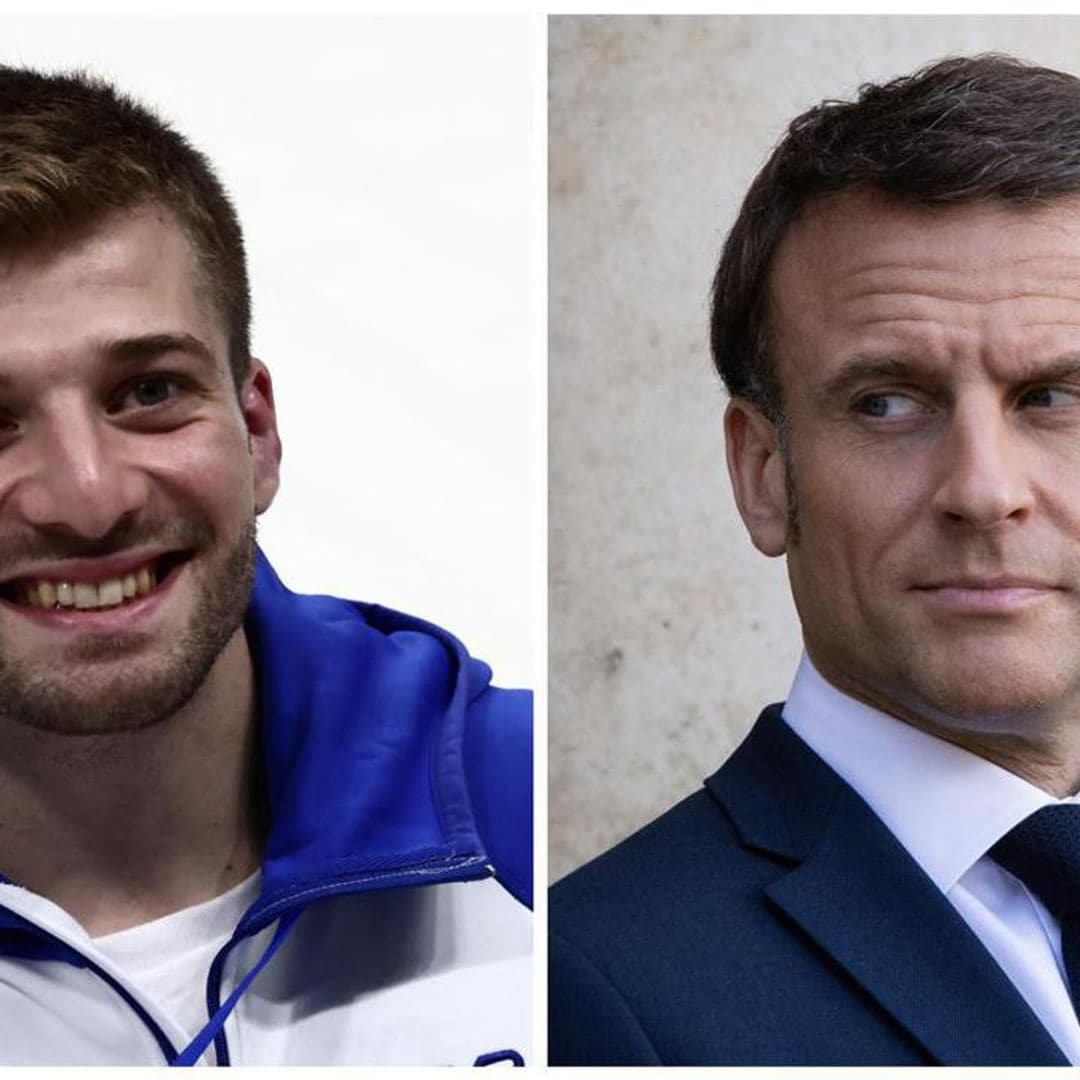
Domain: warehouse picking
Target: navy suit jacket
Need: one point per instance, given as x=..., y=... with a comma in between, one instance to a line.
x=772, y=919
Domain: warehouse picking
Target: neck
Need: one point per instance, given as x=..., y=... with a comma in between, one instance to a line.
x=1040, y=746
x=123, y=828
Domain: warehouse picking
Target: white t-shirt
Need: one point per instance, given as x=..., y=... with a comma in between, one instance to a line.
x=169, y=958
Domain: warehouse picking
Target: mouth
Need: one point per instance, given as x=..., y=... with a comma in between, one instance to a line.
x=996, y=596
x=94, y=588
x=987, y=584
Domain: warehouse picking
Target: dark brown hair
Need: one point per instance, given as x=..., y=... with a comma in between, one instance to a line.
x=73, y=148
x=960, y=130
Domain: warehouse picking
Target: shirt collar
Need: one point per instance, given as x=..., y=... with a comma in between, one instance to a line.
x=946, y=805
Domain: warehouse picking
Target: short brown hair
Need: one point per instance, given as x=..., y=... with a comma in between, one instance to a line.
x=960, y=130
x=73, y=148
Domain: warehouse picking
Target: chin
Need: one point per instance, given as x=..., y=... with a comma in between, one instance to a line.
x=136, y=692
x=1001, y=691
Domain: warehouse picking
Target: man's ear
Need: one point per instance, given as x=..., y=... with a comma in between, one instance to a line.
x=257, y=407
x=757, y=470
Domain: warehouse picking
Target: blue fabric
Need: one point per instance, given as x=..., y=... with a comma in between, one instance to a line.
x=772, y=919
x=365, y=717
x=498, y=768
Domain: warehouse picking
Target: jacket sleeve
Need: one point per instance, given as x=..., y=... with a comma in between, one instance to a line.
x=499, y=768
x=589, y=1021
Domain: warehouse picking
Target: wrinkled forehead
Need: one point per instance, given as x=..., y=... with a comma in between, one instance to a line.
x=861, y=263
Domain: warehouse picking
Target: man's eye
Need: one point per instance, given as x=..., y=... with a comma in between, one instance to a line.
x=887, y=406
x=1049, y=397
x=153, y=390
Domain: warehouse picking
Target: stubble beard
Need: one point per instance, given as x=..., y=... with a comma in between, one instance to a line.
x=143, y=690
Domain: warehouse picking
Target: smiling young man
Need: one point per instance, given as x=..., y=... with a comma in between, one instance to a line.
x=887, y=871
x=237, y=825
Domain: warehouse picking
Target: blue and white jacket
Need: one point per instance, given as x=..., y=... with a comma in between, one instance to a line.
x=393, y=922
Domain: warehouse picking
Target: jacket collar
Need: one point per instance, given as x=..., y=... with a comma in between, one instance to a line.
x=362, y=722
x=854, y=890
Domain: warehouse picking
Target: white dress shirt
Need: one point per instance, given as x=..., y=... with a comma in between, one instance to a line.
x=947, y=807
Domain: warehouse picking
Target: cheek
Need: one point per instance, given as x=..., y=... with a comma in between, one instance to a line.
x=208, y=470
x=1053, y=476
x=858, y=512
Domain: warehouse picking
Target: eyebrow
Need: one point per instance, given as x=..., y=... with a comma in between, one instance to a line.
x=139, y=348
x=860, y=369
x=130, y=350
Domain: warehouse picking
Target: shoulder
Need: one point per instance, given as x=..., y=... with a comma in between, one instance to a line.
x=627, y=927
x=703, y=862
x=617, y=894
x=429, y=707
x=654, y=944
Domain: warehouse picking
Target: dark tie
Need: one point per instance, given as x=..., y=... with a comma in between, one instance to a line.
x=1043, y=851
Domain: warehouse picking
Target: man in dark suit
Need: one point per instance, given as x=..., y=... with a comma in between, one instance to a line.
x=887, y=871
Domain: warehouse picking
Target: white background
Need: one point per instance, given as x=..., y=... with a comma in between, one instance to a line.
x=381, y=169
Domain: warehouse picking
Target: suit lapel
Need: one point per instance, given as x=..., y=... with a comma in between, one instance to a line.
x=859, y=895
x=863, y=899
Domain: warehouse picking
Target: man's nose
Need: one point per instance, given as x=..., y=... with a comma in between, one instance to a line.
x=984, y=478
x=74, y=476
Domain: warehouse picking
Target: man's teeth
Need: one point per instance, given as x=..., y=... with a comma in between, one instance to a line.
x=88, y=595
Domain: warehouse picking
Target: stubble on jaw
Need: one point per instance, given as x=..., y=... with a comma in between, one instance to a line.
x=148, y=692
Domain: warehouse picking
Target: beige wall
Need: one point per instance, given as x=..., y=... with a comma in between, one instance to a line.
x=668, y=631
